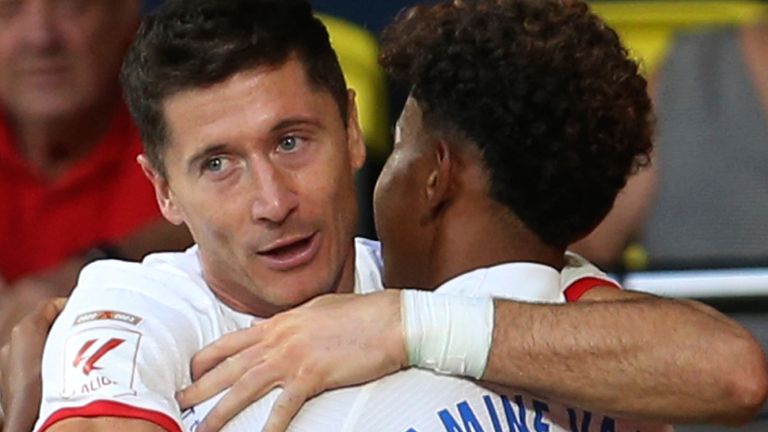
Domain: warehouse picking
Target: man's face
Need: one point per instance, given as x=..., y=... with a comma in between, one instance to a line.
x=261, y=169
x=400, y=205
x=59, y=57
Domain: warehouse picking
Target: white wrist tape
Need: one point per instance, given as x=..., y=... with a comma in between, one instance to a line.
x=447, y=334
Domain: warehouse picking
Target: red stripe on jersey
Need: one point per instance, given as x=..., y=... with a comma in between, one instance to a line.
x=577, y=289
x=112, y=409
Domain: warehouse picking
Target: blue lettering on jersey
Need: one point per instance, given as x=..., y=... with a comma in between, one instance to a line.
x=190, y=419
x=468, y=417
x=585, y=421
x=609, y=425
x=515, y=417
x=538, y=422
x=492, y=413
x=516, y=424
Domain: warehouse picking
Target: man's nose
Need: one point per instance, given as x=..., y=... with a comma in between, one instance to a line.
x=39, y=27
x=275, y=197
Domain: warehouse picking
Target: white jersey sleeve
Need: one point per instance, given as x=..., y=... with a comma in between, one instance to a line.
x=580, y=276
x=121, y=347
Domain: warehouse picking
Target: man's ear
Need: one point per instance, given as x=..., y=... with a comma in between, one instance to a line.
x=438, y=189
x=355, y=139
x=163, y=192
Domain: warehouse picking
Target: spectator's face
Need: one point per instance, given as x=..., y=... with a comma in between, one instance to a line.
x=59, y=58
x=261, y=169
x=401, y=203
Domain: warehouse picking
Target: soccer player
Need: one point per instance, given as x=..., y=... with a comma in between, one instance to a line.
x=252, y=142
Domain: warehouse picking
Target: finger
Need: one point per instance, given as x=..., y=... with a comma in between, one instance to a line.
x=4, y=365
x=2, y=385
x=284, y=410
x=223, y=376
x=251, y=387
x=225, y=347
x=4, y=357
x=9, y=316
x=20, y=418
x=23, y=408
x=41, y=320
x=226, y=375
x=53, y=307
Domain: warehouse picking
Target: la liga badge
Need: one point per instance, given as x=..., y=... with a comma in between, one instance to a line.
x=100, y=361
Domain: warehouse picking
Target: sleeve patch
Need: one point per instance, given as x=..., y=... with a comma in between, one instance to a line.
x=107, y=315
x=100, y=361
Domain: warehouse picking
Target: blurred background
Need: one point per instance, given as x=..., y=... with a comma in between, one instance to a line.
x=694, y=224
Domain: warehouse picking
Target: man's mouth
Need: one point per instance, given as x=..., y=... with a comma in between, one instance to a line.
x=290, y=253
x=44, y=70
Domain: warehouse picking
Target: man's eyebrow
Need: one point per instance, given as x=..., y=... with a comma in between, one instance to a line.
x=201, y=155
x=297, y=121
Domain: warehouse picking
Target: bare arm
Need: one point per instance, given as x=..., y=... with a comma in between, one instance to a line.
x=615, y=352
x=20, y=360
x=105, y=424
x=674, y=357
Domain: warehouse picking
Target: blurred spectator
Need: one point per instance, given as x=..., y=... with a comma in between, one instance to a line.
x=705, y=200
x=70, y=187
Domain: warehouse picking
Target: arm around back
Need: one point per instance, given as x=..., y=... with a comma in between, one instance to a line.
x=675, y=357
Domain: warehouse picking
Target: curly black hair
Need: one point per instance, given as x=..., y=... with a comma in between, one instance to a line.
x=189, y=44
x=547, y=92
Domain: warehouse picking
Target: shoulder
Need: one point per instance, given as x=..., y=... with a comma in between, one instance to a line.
x=155, y=302
x=170, y=279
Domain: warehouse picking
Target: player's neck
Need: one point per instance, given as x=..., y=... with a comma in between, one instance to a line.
x=473, y=237
x=241, y=295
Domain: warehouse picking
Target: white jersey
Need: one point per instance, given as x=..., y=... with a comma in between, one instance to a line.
x=421, y=401
x=123, y=345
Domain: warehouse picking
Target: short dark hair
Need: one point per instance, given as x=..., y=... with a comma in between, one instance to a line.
x=189, y=44
x=547, y=92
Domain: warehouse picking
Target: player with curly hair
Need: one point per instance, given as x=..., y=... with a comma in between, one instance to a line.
x=543, y=90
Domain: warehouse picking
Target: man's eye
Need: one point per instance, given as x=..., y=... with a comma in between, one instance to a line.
x=288, y=144
x=215, y=164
